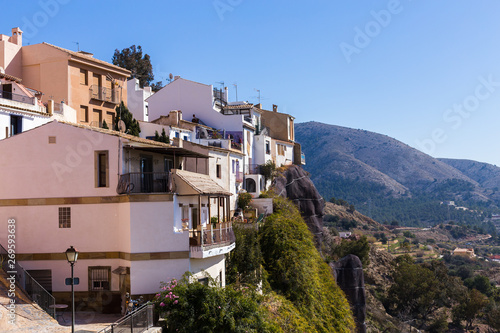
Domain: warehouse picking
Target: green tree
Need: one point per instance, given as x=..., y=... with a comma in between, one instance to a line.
x=419, y=290
x=138, y=64
x=161, y=138
x=131, y=125
x=359, y=247
x=104, y=124
x=469, y=308
x=244, y=263
x=244, y=200
x=268, y=170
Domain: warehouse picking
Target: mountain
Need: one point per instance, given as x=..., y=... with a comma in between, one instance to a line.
x=370, y=169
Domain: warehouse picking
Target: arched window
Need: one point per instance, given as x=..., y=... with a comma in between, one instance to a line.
x=250, y=185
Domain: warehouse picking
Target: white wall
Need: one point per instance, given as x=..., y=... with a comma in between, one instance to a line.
x=145, y=276
x=30, y=120
x=136, y=100
x=212, y=266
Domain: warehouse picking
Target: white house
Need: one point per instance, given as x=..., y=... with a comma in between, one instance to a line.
x=136, y=99
x=20, y=107
x=121, y=201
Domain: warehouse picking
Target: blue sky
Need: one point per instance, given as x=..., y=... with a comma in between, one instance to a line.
x=424, y=72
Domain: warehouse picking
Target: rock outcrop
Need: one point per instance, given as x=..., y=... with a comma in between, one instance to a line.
x=349, y=275
x=294, y=184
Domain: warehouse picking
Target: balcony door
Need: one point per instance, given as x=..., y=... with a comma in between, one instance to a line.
x=146, y=174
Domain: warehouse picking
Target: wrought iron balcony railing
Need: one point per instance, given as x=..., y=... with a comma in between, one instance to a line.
x=144, y=182
x=104, y=94
x=17, y=97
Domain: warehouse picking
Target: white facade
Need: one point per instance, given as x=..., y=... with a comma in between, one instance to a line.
x=136, y=99
x=63, y=184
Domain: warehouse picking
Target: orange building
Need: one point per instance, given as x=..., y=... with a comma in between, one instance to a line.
x=90, y=86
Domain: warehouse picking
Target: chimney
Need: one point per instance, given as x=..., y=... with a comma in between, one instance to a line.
x=258, y=106
x=275, y=108
x=177, y=77
x=17, y=37
x=226, y=95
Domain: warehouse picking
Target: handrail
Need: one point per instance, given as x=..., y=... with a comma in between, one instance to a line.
x=38, y=294
x=138, y=321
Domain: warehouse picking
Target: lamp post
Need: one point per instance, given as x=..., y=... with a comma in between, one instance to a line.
x=72, y=256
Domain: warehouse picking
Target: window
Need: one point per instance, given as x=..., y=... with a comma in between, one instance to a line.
x=97, y=118
x=64, y=217
x=99, y=278
x=52, y=139
x=84, y=77
x=281, y=150
x=101, y=168
x=268, y=148
x=176, y=134
x=219, y=171
x=16, y=125
x=233, y=166
x=168, y=164
x=84, y=114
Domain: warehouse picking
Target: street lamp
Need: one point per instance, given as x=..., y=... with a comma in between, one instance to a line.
x=72, y=256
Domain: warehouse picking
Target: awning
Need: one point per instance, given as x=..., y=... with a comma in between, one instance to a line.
x=191, y=183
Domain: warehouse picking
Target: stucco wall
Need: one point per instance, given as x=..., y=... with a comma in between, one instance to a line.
x=33, y=168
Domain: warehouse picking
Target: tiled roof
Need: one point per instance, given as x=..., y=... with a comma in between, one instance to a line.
x=201, y=183
x=88, y=57
x=116, y=133
x=10, y=77
x=239, y=106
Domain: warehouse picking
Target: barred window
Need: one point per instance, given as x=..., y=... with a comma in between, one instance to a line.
x=99, y=278
x=64, y=217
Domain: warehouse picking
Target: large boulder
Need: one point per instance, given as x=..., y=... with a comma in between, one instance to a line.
x=295, y=184
x=349, y=275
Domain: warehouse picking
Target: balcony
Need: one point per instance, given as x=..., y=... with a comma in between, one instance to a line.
x=17, y=97
x=212, y=240
x=253, y=169
x=239, y=176
x=144, y=182
x=104, y=94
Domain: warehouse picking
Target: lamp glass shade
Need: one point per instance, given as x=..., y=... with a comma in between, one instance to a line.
x=71, y=254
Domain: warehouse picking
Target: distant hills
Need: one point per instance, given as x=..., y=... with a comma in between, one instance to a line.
x=377, y=173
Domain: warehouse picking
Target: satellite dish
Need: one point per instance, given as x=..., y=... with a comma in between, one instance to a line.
x=121, y=126
x=171, y=76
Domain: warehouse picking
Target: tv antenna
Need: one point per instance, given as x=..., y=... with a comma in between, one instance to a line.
x=78, y=45
x=236, y=87
x=258, y=97
x=222, y=84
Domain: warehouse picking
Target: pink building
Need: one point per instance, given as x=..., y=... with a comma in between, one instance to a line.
x=128, y=204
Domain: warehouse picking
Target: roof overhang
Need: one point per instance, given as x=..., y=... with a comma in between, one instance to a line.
x=177, y=151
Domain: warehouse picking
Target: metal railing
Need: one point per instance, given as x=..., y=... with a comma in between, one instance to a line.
x=214, y=235
x=136, y=322
x=239, y=176
x=144, y=182
x=104, y=94
x=35, y=291
x=253, y=169
x=17, y=97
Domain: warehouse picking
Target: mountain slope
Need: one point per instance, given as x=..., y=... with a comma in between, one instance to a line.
x=387, y=179
x=487, y=175
x=371, y=157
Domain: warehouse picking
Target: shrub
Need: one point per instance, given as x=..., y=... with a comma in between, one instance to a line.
x=244, y=200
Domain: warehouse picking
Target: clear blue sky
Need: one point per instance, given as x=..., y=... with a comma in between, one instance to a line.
x=423, y=72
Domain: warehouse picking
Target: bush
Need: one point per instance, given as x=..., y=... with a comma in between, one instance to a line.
x=244, y=200
x=196, y=307
x=296, y=270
